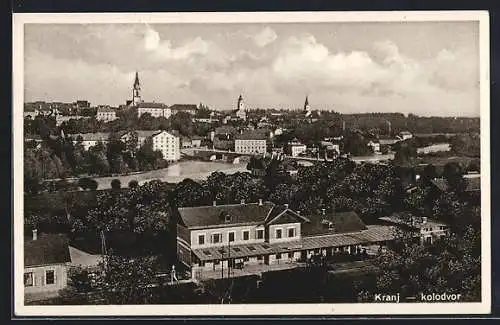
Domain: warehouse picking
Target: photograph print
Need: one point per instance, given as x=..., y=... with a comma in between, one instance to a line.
x=251, y=163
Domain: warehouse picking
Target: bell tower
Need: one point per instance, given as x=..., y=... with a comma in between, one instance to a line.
x=241, y=104
x=136, y=90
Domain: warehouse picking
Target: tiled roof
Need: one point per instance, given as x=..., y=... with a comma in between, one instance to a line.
x=151, y=105
x=96, y=136
x=372, y=234
x=342, y=222
x=105, y=110
x=252, y=135
x=416, y=222
x=47, y=249
x=183, y=107
x=149, y=133
x=209, y=216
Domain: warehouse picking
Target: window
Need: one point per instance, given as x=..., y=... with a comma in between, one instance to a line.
x=278, y=256
x=428, y=240
x=246, y=235
x=290, y=255
x=50, y=277
x=291, y=232
x=231, y=236
x=216, y=262
x=216, y=238
x=201, y=239
x=246, y=259
x=278, y=233
x=260, y=234
x=28, y=279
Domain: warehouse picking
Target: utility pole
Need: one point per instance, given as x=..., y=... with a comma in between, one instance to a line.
x=229, y=259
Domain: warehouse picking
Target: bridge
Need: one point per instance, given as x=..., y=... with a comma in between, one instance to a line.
x=236, y=158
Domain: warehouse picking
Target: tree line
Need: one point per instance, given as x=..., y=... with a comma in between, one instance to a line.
x=62, y=157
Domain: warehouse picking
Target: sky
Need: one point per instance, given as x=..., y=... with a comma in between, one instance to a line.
x=424, y=68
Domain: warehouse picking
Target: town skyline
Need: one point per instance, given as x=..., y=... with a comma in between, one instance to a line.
x=270, y=65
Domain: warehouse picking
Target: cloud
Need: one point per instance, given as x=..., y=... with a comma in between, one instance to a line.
x=151, y=39
x=174, y=67
x=265, y=37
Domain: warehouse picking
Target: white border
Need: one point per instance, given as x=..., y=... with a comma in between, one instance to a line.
x=252, y=309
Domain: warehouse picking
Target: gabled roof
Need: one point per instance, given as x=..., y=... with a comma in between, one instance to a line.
x=341, y=222
x=150, y=133
x=183, y=107
x=47, y=249
x=252, y=135
x=281, y=214
x=96, y=136
x=105, y=110
x=151, y=105
x=214, y=216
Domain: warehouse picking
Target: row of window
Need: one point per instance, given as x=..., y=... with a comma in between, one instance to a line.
x=259, y=234
x=217, y=238
x=259, y=258
x=29, y=280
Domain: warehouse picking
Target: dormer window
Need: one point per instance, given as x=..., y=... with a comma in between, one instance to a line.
x=330, y=226
x=227, y=218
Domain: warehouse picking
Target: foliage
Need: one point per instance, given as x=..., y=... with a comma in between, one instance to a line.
x=451, y=265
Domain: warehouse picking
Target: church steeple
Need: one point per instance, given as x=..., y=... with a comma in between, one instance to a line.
x=136, y=90
x=306, y=104
x=137, y=84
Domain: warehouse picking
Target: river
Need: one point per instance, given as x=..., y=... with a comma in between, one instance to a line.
x=196, y=170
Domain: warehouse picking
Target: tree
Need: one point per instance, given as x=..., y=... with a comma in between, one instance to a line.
x=133, y=184
x=451, y=265
x=116, y=184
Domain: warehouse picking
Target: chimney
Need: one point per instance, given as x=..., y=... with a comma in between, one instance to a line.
x=323, y=211
x=242, y=201
x=260, y=202
x=35, y=234
x=214, y=203
x=286, y=205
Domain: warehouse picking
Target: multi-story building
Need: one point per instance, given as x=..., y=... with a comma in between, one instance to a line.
x=155, y=109
x=295, y=148
x=46, y=262
x=168, y=142
x=105, y=114
x=423, y=228
x=239, y=235
x=90, y=139
x=186, y=108
x=251, y=142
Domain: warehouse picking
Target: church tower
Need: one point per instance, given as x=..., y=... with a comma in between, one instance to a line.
x=241, y=104
x=240, y=111
x=307, y=108
x=136, y=90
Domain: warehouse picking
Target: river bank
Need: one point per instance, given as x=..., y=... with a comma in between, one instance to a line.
x=175, y=173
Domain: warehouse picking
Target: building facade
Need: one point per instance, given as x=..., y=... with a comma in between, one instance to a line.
x=46, y=262
x=186, y=108
x=90, y=140
x=251, y=143
x=167, y=142
x=154, y=109
x=238, y=235
x=106, y=114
